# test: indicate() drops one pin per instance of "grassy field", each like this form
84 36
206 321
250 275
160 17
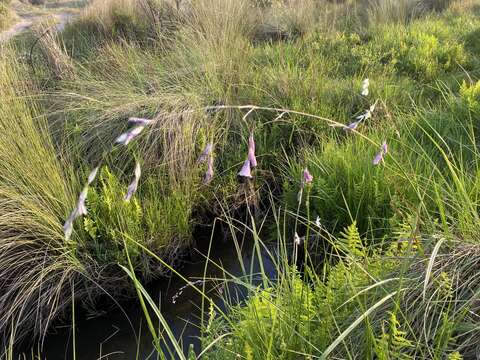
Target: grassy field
340 135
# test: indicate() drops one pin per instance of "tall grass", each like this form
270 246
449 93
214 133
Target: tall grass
36 190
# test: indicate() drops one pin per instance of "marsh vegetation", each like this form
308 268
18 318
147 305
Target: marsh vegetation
334 142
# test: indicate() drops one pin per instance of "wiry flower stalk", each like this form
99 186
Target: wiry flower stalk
132 188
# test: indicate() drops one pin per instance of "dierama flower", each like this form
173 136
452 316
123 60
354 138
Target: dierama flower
380 155
140 121
317 222
352 126
92 175
206 152
296 239
128 136
246 170
307 177
365 85
79 210
251 151
132 188
209 172
367 114
68 226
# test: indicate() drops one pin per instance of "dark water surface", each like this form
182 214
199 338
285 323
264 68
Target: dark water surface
113 336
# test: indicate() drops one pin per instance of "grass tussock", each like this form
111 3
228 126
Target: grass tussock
36 189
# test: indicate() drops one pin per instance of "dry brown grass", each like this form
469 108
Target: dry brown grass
53 51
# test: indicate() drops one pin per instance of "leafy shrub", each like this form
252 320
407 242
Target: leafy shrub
427 56
470 94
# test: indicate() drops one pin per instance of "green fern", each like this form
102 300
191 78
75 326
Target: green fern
350 237
455 356
393 343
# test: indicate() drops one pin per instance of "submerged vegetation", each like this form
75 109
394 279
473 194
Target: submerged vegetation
341 137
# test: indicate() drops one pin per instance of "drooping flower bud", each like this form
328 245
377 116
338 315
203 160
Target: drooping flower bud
128 136
209 172
206 152
132 188
380 155
251 151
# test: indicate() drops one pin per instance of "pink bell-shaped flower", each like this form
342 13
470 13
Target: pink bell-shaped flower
246 170
251 151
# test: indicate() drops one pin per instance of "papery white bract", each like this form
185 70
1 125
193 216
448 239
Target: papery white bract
365 85
68 226
296 239
317 222
132 188
367 114
81 208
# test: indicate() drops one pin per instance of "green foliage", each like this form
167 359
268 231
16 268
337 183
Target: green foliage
352 241
393 341
157 218
146 58
470 94
347 186
427 56
293 317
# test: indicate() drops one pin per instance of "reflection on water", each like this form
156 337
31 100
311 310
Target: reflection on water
113 336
